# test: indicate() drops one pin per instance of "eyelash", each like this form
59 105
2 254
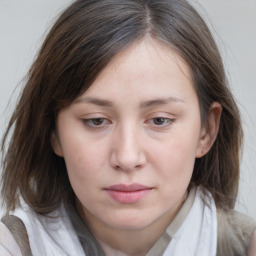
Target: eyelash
90 122
166 121
98 123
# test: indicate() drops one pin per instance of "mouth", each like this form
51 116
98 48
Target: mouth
128 194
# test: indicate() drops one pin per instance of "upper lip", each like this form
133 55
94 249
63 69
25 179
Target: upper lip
127 188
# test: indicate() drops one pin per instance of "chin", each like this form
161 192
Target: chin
130 222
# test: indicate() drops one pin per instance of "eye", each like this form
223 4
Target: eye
161 121
96 122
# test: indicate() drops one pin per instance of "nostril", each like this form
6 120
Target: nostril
128 162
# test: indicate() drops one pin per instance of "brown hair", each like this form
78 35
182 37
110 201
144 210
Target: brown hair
80 44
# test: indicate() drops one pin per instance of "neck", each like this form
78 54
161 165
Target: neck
115 242
134 242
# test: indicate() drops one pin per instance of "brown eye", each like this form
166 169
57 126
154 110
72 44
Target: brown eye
161 121
96 122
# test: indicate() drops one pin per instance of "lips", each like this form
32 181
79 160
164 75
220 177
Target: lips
128 194
127 188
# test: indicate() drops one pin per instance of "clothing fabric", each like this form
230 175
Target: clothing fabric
193 232
49 236
160 246
8 245
19 232
202 223
235 231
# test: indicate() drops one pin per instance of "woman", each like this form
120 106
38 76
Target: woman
125 140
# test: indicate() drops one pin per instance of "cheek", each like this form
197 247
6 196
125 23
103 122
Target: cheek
83 161
176 158
84 167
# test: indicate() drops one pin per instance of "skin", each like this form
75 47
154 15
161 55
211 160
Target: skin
139 122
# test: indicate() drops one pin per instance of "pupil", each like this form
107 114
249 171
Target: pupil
159 120
97 121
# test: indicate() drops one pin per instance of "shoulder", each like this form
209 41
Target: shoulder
16 232
235 233
8 245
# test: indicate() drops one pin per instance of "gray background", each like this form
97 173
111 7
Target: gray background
22 28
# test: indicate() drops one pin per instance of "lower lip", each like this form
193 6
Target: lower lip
128 197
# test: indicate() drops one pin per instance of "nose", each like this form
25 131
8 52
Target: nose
127 150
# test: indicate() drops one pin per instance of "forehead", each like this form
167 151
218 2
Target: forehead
148 68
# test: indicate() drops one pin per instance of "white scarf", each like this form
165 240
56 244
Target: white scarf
50 237
197 236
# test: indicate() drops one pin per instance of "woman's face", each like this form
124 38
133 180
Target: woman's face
130 141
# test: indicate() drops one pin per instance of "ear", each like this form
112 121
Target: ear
56 146
210 130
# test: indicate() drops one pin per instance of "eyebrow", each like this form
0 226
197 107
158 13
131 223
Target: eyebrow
95 101
161 101
145 104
